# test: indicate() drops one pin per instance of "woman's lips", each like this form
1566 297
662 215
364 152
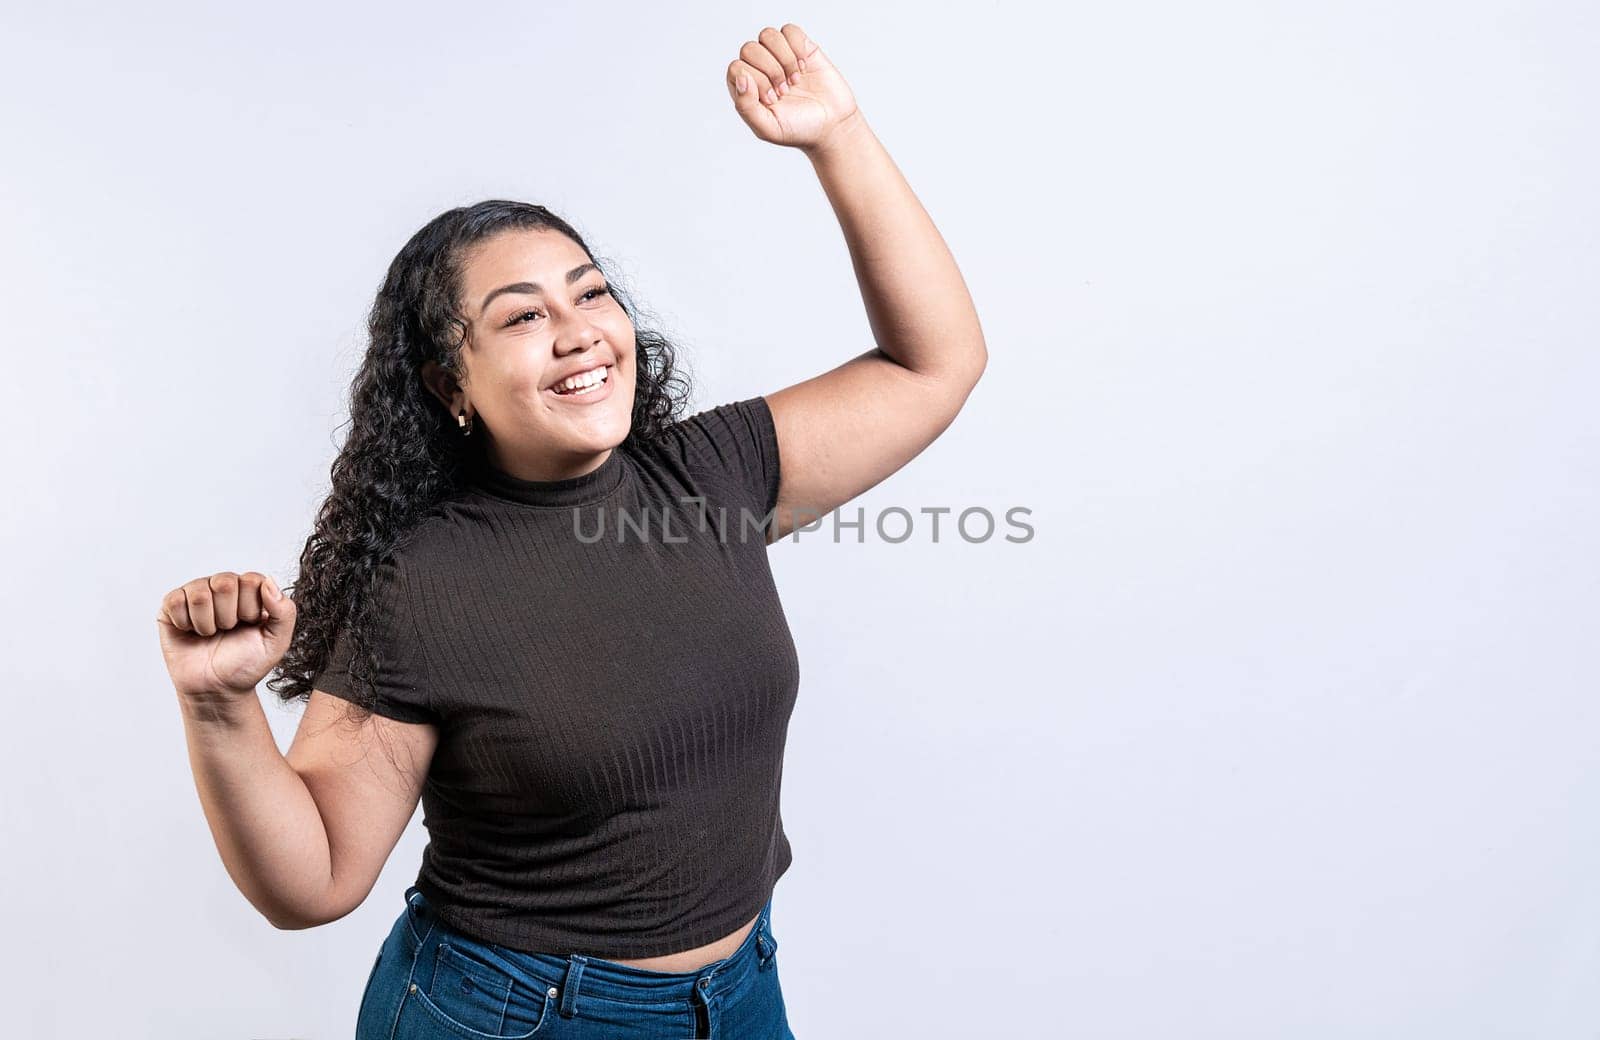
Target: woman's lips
593 394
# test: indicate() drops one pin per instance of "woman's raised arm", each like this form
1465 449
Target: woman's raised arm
841 432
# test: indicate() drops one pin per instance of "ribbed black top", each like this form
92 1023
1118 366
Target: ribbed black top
590 487
612 677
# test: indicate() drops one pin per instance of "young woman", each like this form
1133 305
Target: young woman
538 600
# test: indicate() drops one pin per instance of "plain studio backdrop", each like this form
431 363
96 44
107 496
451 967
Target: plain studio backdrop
1283 721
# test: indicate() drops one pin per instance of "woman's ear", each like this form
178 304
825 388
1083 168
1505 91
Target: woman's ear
443 386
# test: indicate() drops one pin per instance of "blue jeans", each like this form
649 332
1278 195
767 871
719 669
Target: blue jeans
431 981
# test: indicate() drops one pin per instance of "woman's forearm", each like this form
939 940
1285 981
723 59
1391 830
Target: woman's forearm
262 816
918 306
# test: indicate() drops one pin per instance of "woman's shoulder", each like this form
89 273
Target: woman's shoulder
733 446
430 537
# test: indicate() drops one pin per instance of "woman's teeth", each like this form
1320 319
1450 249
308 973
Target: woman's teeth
584 382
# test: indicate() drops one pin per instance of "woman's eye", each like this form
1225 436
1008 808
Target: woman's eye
590 294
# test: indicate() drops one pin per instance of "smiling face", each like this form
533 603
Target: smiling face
539 313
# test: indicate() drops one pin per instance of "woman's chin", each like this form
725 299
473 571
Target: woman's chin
598 431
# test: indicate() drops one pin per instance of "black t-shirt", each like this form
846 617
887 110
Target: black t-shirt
612 677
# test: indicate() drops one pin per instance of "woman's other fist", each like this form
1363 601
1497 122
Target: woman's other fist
222 634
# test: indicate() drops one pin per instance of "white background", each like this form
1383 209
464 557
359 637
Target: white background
1282 725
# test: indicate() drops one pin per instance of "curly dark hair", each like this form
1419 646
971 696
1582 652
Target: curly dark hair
404 453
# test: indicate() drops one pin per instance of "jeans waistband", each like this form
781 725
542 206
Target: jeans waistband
578 974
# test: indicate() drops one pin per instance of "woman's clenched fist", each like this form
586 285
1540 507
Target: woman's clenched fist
787 91
222 634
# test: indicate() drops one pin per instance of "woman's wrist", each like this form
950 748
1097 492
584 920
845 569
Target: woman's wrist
844 136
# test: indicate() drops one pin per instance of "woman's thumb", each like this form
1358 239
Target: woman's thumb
280 613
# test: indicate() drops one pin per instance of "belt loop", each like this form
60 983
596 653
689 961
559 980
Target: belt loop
415 908
569 990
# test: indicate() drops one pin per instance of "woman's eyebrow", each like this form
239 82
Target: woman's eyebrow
533 288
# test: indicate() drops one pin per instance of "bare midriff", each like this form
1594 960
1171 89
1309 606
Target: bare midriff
695 959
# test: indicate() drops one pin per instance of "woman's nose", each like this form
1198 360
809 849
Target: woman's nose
577 340
575 331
